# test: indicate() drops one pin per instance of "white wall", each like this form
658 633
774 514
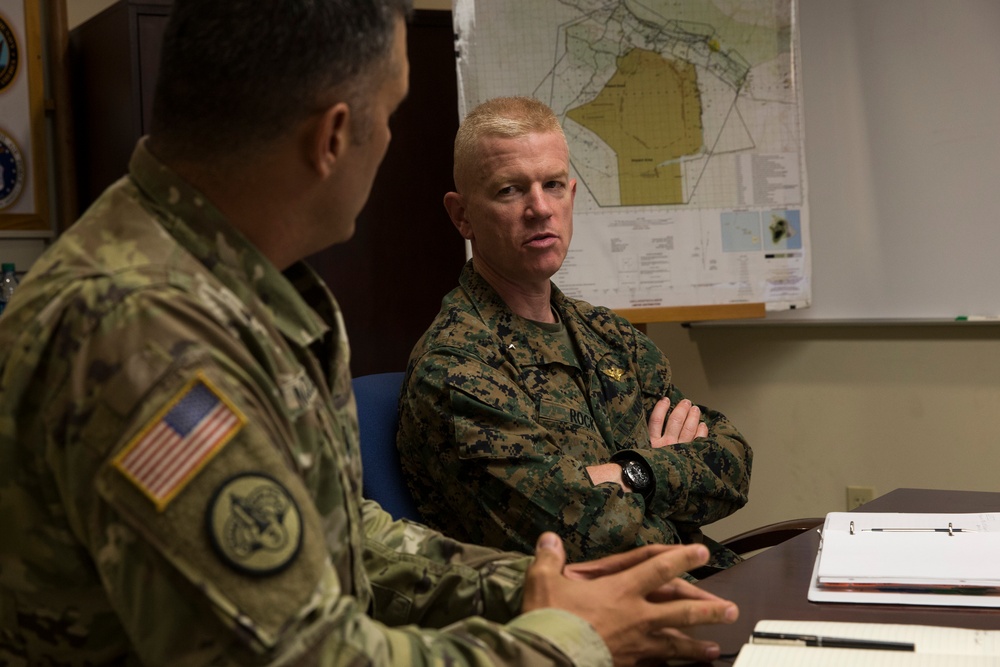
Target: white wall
826 407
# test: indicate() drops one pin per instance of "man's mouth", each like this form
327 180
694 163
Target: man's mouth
541 240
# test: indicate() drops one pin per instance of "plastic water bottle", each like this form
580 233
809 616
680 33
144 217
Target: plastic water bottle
7 284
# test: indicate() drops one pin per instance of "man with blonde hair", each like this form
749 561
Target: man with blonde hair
531 411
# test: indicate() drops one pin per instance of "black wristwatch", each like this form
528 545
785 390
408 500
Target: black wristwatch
636 474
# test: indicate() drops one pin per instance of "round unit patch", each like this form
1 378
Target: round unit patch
9 54
11 171
254 524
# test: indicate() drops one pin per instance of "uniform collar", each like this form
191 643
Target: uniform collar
202 230
520 340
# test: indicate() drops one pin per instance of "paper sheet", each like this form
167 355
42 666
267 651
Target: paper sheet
935 646
760 655
926 638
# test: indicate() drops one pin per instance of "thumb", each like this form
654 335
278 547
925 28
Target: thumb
549 553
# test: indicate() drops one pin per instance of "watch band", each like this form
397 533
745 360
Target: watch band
628 455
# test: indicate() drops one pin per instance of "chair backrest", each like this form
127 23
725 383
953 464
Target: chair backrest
771 535
377 396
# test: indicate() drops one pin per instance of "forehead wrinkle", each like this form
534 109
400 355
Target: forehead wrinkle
506 160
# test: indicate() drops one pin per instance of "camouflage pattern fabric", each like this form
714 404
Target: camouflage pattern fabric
499 420
180 472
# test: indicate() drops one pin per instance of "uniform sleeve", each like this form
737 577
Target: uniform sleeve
412 568
422 577
696 482
245 556
470 437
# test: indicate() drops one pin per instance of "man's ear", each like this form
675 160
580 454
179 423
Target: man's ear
329 136
454 203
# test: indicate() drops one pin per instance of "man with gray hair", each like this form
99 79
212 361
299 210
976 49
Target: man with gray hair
532 411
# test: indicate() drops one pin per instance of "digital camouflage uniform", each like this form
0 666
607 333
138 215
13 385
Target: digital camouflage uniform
180 473
499 421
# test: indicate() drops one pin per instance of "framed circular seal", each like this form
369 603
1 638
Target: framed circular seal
254 524
11 171
9 54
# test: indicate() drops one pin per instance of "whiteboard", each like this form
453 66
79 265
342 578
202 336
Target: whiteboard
902 140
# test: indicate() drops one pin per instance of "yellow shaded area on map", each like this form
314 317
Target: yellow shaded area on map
649 113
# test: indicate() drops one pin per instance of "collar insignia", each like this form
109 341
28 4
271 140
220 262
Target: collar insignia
615 374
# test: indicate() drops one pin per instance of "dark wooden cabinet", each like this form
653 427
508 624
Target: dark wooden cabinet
405 256
114 58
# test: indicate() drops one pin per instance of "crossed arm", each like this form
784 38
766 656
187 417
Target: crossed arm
471 437
683 425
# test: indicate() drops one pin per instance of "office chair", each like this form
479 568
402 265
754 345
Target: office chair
770 535
377 396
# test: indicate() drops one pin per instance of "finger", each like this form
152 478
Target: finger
616 562
702 430
675 422
680 646
680 589
691 423
544 573
550 555
691 613
657 416
651 574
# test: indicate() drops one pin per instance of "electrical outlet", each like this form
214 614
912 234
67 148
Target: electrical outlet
859 495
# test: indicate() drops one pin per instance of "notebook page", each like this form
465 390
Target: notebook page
762 655
929 639
968 556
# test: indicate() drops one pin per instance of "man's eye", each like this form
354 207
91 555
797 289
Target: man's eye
506 191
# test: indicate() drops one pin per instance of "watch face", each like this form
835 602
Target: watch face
636 476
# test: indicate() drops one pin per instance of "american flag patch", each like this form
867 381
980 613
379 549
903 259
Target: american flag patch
178 442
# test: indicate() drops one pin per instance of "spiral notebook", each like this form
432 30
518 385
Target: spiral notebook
908 558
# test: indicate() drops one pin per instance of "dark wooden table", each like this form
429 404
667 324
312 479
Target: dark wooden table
773 584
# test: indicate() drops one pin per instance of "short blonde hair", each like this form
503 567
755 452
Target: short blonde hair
508 117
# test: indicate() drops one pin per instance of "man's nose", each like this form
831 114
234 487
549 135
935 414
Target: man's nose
538 203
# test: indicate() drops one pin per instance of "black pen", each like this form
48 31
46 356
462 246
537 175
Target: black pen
830 642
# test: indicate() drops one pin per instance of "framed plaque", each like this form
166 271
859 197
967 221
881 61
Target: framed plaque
24 203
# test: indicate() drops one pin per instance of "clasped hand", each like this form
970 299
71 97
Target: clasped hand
633 600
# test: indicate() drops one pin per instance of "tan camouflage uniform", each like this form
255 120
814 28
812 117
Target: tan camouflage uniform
499 420
117 548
